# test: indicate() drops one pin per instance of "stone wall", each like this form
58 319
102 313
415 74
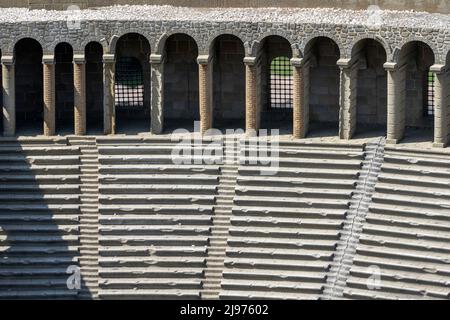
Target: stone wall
441 6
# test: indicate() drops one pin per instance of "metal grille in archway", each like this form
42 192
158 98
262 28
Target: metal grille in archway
429 99
129 84
281 95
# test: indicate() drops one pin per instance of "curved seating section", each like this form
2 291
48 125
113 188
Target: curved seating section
155 220
285 227
39 220
404 250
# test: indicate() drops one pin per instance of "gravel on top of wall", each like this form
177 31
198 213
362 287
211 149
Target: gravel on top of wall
371 17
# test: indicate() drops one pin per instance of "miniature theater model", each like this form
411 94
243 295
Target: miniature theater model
93 205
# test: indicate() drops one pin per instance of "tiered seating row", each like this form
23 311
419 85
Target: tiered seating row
285 227
155 221
404 251
39 220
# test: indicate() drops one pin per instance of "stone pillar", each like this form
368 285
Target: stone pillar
396 116
109 112
49 94
157 96
79 79
9 96
251 105
299 104
441 110
205 92
347 97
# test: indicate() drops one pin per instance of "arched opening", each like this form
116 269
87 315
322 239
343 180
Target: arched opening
94 88
132 84
180 83
417 57
64 90
29 86
322 54
371 88
274 80
228 82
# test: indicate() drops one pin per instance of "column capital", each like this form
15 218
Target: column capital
8 60
204 59
344 63
156 58
48 59
297 62
390 66
109 58
250 61
79 58
437 68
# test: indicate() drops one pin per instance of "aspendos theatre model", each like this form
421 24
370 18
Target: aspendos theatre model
347 196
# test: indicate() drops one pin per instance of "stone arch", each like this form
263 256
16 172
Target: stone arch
160 45
309 40
93 52
88 40
132 83
370 107
53 45
12 45
259 41
322 81
415 59
28 53
228 81
212 39
180 74
405 42
112 44
378 39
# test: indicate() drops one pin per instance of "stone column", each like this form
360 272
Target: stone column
299 107
396 116
49 94
205 92
9 96
441 110
109 117
251 105
79 79
157 96
347 97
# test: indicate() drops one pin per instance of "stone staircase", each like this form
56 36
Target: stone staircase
355 219
221 220
40 216
89 214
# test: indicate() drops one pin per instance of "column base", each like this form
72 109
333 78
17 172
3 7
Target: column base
439 145
392 141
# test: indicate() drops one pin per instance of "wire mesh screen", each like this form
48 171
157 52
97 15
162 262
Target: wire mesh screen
281 95
129 84
429 109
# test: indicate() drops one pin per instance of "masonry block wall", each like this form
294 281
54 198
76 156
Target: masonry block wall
181 79
228 80
324 87
371 87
